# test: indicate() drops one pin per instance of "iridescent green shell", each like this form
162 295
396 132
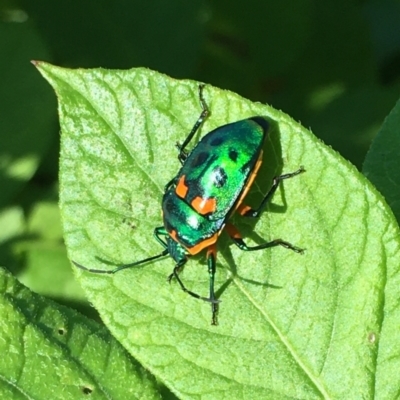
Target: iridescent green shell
208 187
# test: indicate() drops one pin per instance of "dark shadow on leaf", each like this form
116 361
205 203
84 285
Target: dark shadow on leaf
223 287
272 166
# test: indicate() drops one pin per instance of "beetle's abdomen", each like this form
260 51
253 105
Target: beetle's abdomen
217 170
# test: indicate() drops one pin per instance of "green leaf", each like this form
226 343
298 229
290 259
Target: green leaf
321 325
382 163
52 352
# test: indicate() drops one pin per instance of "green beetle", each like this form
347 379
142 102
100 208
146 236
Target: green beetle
209 188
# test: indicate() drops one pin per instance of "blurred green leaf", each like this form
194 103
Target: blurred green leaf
322 325
350 121
12 227
27 108
42 260
382 164
55 353
12 223
39 242
44 220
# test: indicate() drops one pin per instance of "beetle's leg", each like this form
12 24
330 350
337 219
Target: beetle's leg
237 239
204 114
211 268
175 274
171 182
157 233
211 262
247 211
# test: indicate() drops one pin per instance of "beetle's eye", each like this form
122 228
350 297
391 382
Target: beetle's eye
219 177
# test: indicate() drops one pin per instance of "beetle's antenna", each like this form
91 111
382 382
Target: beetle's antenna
121 267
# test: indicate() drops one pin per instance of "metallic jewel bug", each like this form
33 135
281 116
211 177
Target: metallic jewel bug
210 187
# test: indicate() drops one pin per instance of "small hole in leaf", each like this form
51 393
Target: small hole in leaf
87 390
129 223
372 337
61 331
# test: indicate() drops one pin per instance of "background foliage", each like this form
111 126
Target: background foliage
333 65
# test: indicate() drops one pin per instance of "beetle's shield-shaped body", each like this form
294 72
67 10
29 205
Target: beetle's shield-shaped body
212 182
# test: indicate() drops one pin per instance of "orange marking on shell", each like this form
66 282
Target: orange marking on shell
199 246
204 206
181 188
174 235
204 244
251 180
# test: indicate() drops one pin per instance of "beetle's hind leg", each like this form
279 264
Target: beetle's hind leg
211 261
239 242
247 211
